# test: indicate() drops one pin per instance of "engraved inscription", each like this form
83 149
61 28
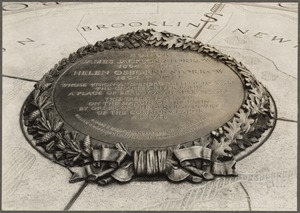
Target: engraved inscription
148 96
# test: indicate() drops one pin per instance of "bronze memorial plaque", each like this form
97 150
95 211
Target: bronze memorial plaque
148 104
147 97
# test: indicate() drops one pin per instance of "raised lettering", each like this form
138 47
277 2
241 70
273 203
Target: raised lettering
134 87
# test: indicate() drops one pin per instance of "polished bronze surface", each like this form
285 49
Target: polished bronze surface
147 97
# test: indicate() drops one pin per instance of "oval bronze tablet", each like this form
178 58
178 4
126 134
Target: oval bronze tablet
147 97
148 104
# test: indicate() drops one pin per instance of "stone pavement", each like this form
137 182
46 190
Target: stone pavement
267 178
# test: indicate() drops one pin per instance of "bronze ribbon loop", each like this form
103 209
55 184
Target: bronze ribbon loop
176 174
107 165
192 153
109 155
124 173
224 168
191 165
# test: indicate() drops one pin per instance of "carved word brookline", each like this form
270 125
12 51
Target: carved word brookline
149 24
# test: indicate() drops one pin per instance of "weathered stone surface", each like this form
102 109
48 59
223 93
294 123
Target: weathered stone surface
42 185
29 180
278 158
